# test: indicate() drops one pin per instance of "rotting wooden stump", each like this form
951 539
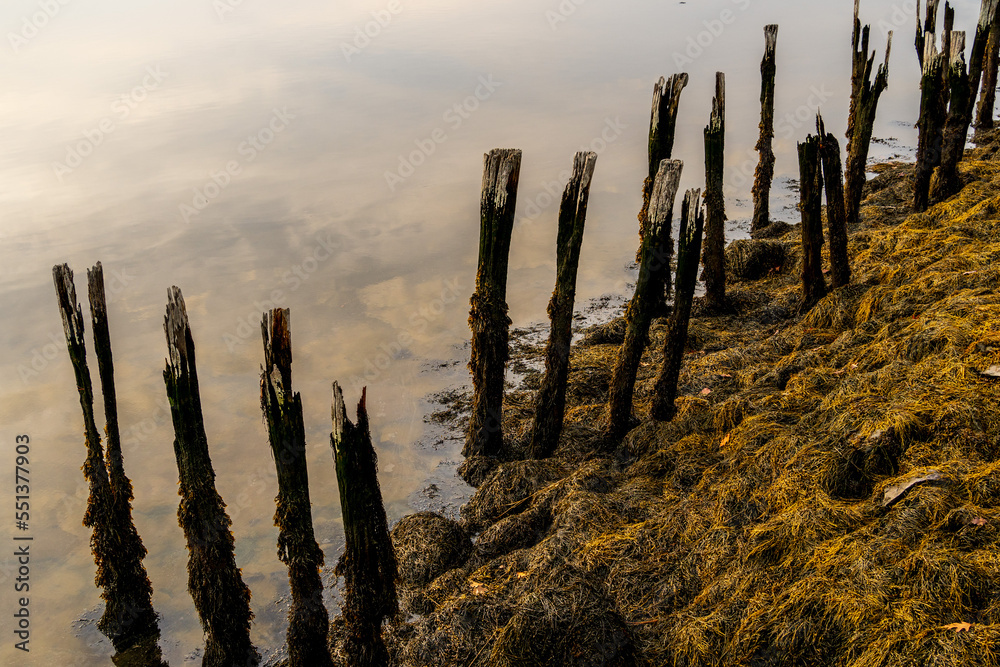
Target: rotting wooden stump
977 55
714 258
118 551
550 404
764 174
220 596
928 27
308 622
689 249
865 94
488 316
945 180
662 130
836 215
641 308
811 204
933 113
988 90
368 564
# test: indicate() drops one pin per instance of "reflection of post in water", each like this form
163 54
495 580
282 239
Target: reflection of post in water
308 623
128 619
369 562
216 586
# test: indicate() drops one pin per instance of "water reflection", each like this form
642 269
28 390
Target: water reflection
377 277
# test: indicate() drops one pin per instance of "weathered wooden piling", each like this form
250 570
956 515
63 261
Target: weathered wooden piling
662 130
764 174
865 94
128 615
714 258
933 112
988 94
368 564
550 404
214 582
689 248
488 316
811 204
927 28
308 622
977 55
836 215
643 304
945 180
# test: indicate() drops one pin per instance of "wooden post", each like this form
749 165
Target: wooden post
214 582
836 216
643 303
764 174
865 95
368 564
811 204
550 404
715 228
929 28
988 96
933 111
662 129
689 247
945 182
308 623
488 316
128 616
977 56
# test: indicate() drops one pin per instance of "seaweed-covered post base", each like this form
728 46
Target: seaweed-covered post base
220 596
369 562
665 390
308 622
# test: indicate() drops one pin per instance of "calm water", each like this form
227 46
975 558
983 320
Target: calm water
327 157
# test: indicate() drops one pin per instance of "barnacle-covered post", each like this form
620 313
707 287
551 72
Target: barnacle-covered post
118 551
662 130
836 216
865 95
551 401
689 247
220 597
488 316
811 205
369 562
764 174
308 622
641 307
714 258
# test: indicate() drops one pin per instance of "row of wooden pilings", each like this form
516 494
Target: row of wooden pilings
368 564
